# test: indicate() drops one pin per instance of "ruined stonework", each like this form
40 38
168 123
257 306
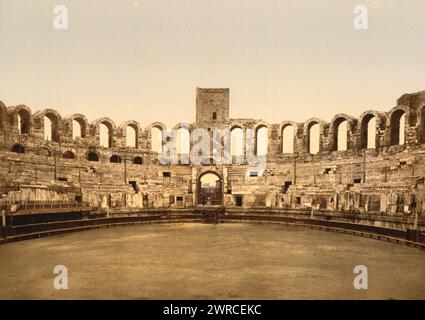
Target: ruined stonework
212 108
386 179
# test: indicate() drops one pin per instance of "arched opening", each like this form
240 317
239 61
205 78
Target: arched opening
78 128
23 122
183 143
371 133
51 130
131 136
47 129
92 156
156 139
341 136
288 135
313 138
138 160
236 143
105 134
368 132
209 189
44 152
115 159
261 140
68 155
397 127
18 148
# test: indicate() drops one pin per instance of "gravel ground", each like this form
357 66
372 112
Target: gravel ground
201 261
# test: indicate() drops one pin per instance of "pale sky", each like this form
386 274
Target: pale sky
142 60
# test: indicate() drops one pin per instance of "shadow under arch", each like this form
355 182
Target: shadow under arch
209 191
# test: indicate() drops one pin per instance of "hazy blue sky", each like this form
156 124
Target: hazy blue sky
142 60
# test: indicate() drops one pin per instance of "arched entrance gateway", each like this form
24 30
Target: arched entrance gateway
209 189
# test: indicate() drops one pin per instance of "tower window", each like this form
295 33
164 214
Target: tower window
214 115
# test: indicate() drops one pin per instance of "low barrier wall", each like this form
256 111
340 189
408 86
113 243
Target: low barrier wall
34 225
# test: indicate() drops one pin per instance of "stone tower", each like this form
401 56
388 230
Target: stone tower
212 108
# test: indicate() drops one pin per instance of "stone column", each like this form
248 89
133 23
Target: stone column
194 187
224 191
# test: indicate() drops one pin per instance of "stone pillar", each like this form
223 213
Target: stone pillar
224 181
194 187
3 218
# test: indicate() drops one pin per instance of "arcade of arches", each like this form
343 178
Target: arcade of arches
371 163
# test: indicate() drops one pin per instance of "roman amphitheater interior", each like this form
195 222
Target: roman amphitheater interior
369 169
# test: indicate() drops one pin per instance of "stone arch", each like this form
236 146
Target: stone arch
236 126
93 155
134 125
158 145
236 123
18 148
237 145
336 122
209 196
183 147
68 155
158 125
3 117
138 160
184 125
115 159
110 126
56 123
307 134
71 131
260 124
20 119
393 131
259 131
44 151
287 144
363 131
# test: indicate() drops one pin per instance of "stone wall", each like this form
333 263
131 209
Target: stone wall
387 179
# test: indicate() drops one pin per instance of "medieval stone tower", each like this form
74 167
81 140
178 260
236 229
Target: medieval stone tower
212 108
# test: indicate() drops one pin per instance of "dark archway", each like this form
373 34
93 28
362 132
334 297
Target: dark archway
368 133
78 127
339 134
68 155
18 148
51 125
138 160
23 117
313 137
115 159
92 156
397 136
209 189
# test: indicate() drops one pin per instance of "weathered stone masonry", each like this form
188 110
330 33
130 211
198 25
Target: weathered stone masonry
387 179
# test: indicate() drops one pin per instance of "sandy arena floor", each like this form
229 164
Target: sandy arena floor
199 261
